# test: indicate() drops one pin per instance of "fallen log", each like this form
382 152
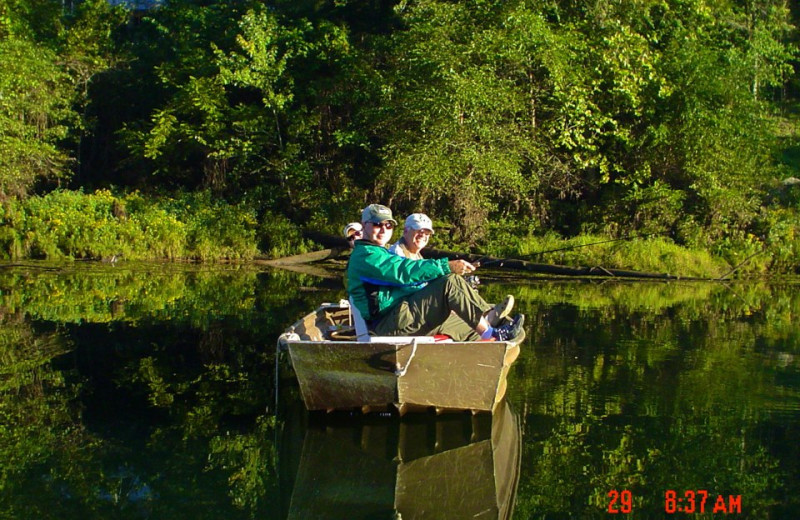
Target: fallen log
305 258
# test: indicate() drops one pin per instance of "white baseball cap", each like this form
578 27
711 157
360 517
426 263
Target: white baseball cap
352 227
419 221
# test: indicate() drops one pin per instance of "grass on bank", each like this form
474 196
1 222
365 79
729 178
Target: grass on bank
196 226
100 225
650 254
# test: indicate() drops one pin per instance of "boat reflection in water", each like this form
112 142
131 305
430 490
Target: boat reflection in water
419 466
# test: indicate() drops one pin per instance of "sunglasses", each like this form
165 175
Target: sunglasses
385 225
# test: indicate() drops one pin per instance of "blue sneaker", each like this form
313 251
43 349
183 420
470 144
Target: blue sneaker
509 331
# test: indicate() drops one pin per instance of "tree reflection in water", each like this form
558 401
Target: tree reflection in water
141 391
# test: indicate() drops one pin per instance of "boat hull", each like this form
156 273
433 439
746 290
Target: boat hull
409 376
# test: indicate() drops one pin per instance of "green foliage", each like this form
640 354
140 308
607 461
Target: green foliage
214 228
744 253
637 252
35 114
654 116
280 237
229 117
656 209
498 108
69 224
48 57
88 49
461 133
38 20
782 241
188 138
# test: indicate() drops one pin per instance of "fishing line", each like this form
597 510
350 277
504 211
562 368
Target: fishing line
591 244
485 260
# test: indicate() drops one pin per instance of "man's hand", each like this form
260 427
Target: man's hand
460 266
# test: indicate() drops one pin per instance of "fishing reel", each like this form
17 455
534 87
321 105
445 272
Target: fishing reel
473 280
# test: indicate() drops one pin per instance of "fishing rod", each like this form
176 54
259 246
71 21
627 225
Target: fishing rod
626 237
338 251
487 260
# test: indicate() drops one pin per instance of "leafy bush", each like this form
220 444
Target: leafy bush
278 236
71 224
35 113
163 234
10 223
783 241
743 252
215 229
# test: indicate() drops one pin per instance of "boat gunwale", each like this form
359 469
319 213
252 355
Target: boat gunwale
284 337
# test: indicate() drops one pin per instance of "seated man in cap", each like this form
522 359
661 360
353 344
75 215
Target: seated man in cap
352 232
416 233
397 296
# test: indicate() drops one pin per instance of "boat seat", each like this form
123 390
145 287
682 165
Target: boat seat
363 335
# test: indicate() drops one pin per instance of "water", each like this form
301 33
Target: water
147 391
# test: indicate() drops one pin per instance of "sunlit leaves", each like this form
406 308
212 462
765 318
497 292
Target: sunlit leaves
89 46
48 57
591 102
104 226
461 128
265 47
35 115
552 113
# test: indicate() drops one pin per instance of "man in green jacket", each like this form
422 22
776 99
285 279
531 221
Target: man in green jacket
397 296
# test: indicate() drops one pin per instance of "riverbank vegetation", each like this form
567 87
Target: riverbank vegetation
668 131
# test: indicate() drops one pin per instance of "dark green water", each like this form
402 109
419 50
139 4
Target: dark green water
148 392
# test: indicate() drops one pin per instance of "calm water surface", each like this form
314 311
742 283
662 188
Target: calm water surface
144 391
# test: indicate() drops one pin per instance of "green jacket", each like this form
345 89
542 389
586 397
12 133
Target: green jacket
377 280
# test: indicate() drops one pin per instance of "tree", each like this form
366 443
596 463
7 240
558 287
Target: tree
462 136
249 98
49 57
35 115
637 114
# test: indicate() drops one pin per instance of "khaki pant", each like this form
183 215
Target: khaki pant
447 305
